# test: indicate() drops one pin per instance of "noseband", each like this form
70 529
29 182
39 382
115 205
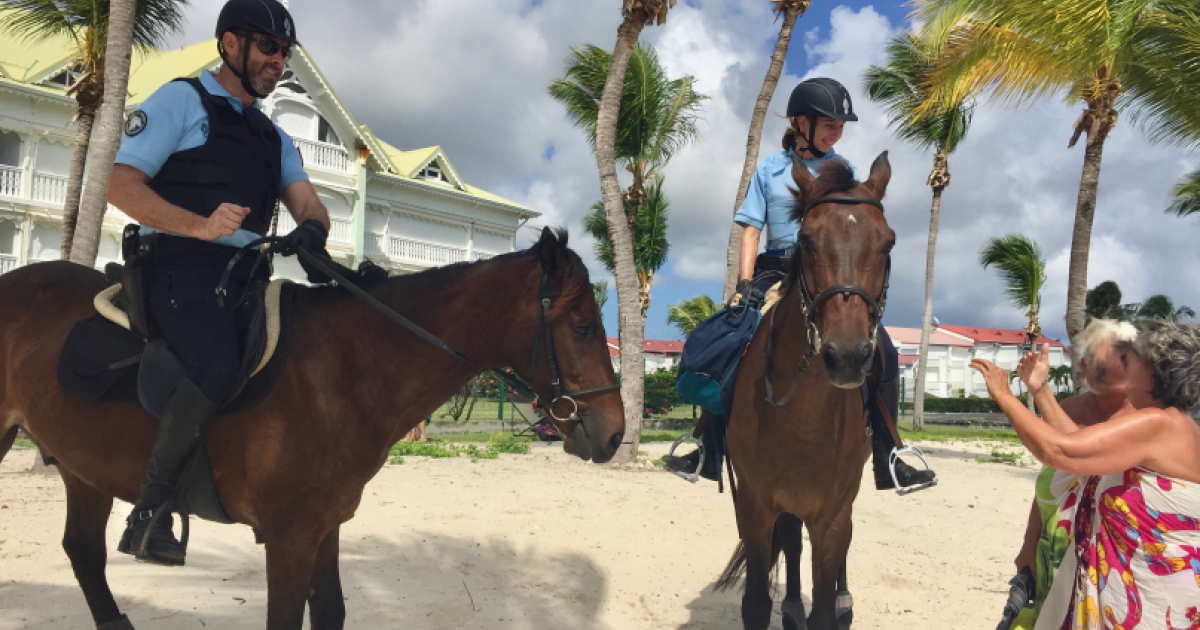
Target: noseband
811 305
544 329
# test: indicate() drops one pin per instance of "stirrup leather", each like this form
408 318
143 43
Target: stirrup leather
693 476
894 457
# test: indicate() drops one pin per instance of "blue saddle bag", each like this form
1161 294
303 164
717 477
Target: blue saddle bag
711 355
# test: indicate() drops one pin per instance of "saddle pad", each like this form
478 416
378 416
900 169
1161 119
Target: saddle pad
106 305
100 360
773 295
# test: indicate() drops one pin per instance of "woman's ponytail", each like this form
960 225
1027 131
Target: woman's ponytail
789 139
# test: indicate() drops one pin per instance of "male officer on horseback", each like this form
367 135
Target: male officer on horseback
817 110
202 169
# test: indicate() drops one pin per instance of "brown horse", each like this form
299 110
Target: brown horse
354 383
799 459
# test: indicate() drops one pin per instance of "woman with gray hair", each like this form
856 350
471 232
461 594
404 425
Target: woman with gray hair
1101 376
1134 502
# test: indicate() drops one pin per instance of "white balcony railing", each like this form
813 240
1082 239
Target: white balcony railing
323 154
10 181
49 188
478 255
340 231
8 262
400 248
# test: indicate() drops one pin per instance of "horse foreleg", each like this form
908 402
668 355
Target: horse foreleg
87 517
757 538
291 557
326 608
788 537
830 545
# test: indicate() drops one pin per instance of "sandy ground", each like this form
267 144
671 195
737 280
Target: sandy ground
539 541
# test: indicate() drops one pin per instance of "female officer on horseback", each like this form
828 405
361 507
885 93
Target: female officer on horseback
817 111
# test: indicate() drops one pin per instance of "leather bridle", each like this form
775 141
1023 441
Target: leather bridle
810 305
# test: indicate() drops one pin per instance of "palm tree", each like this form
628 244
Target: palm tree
650 245
688 314
1160 307
790 10
601 290
1103 53
900 87
1104 301
1060 376
85 23
1023 269
637 14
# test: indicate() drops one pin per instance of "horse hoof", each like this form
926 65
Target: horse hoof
790 622
120 624
845 618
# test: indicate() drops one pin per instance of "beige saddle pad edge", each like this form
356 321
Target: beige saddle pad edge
104 303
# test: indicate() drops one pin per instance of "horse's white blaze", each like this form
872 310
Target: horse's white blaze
851 218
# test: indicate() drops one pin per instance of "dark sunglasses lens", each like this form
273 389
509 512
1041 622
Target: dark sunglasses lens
268 47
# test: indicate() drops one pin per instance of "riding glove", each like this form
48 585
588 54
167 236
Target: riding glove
749 293
309 236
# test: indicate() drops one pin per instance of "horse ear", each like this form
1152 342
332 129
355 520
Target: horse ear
548 250
881 174
804 179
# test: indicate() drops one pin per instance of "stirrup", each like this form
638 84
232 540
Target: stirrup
693 476
894 456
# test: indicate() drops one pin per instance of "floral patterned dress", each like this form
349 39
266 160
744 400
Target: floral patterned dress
1134 556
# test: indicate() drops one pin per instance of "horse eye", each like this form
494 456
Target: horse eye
583 331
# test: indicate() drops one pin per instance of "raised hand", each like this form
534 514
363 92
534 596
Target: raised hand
995 378
1034 369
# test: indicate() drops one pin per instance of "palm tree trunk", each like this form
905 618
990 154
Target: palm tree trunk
83 136
644 279
117 54
754 138
927 318
631 323
1085 210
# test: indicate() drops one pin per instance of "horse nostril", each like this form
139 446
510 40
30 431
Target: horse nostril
865 350
830 356
614 442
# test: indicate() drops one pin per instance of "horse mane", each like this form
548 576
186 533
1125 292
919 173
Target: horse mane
834 176
576 284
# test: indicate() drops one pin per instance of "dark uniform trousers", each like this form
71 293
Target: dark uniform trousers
203 334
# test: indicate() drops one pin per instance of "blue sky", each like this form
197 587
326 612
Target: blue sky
470 76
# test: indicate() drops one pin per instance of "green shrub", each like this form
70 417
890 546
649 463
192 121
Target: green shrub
424 449
506 443
661 395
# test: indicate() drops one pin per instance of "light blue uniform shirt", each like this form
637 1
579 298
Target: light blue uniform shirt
769 200
173 119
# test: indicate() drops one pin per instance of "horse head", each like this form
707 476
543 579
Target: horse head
566 359
841 264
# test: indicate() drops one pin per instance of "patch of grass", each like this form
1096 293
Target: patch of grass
663 436
475 436
936 433
477 453
23 443
425 449
657 463
507 443
1000 457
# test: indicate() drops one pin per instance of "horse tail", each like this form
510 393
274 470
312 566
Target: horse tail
7 439
736 569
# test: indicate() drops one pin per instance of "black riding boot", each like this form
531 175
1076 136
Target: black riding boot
187 415
882 444
688 463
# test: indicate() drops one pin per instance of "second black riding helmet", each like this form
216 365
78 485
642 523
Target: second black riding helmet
244 17
818 97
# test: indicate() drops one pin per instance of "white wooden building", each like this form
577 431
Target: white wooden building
406 210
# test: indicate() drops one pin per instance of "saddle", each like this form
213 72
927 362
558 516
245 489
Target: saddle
105 361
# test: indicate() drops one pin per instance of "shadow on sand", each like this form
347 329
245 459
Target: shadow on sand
712 611
424 581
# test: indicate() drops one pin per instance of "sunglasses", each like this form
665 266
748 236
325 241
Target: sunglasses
269 47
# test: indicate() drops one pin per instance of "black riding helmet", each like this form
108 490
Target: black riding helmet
820 97
268 17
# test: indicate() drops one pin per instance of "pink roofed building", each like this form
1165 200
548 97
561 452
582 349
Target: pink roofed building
660 355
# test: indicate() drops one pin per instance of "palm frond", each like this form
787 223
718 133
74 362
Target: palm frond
687 314
650 246
899 86
1185 196
1019 260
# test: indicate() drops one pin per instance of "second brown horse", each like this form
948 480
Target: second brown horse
798 437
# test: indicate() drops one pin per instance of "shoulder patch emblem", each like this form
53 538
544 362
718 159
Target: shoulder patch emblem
136 123
204 128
